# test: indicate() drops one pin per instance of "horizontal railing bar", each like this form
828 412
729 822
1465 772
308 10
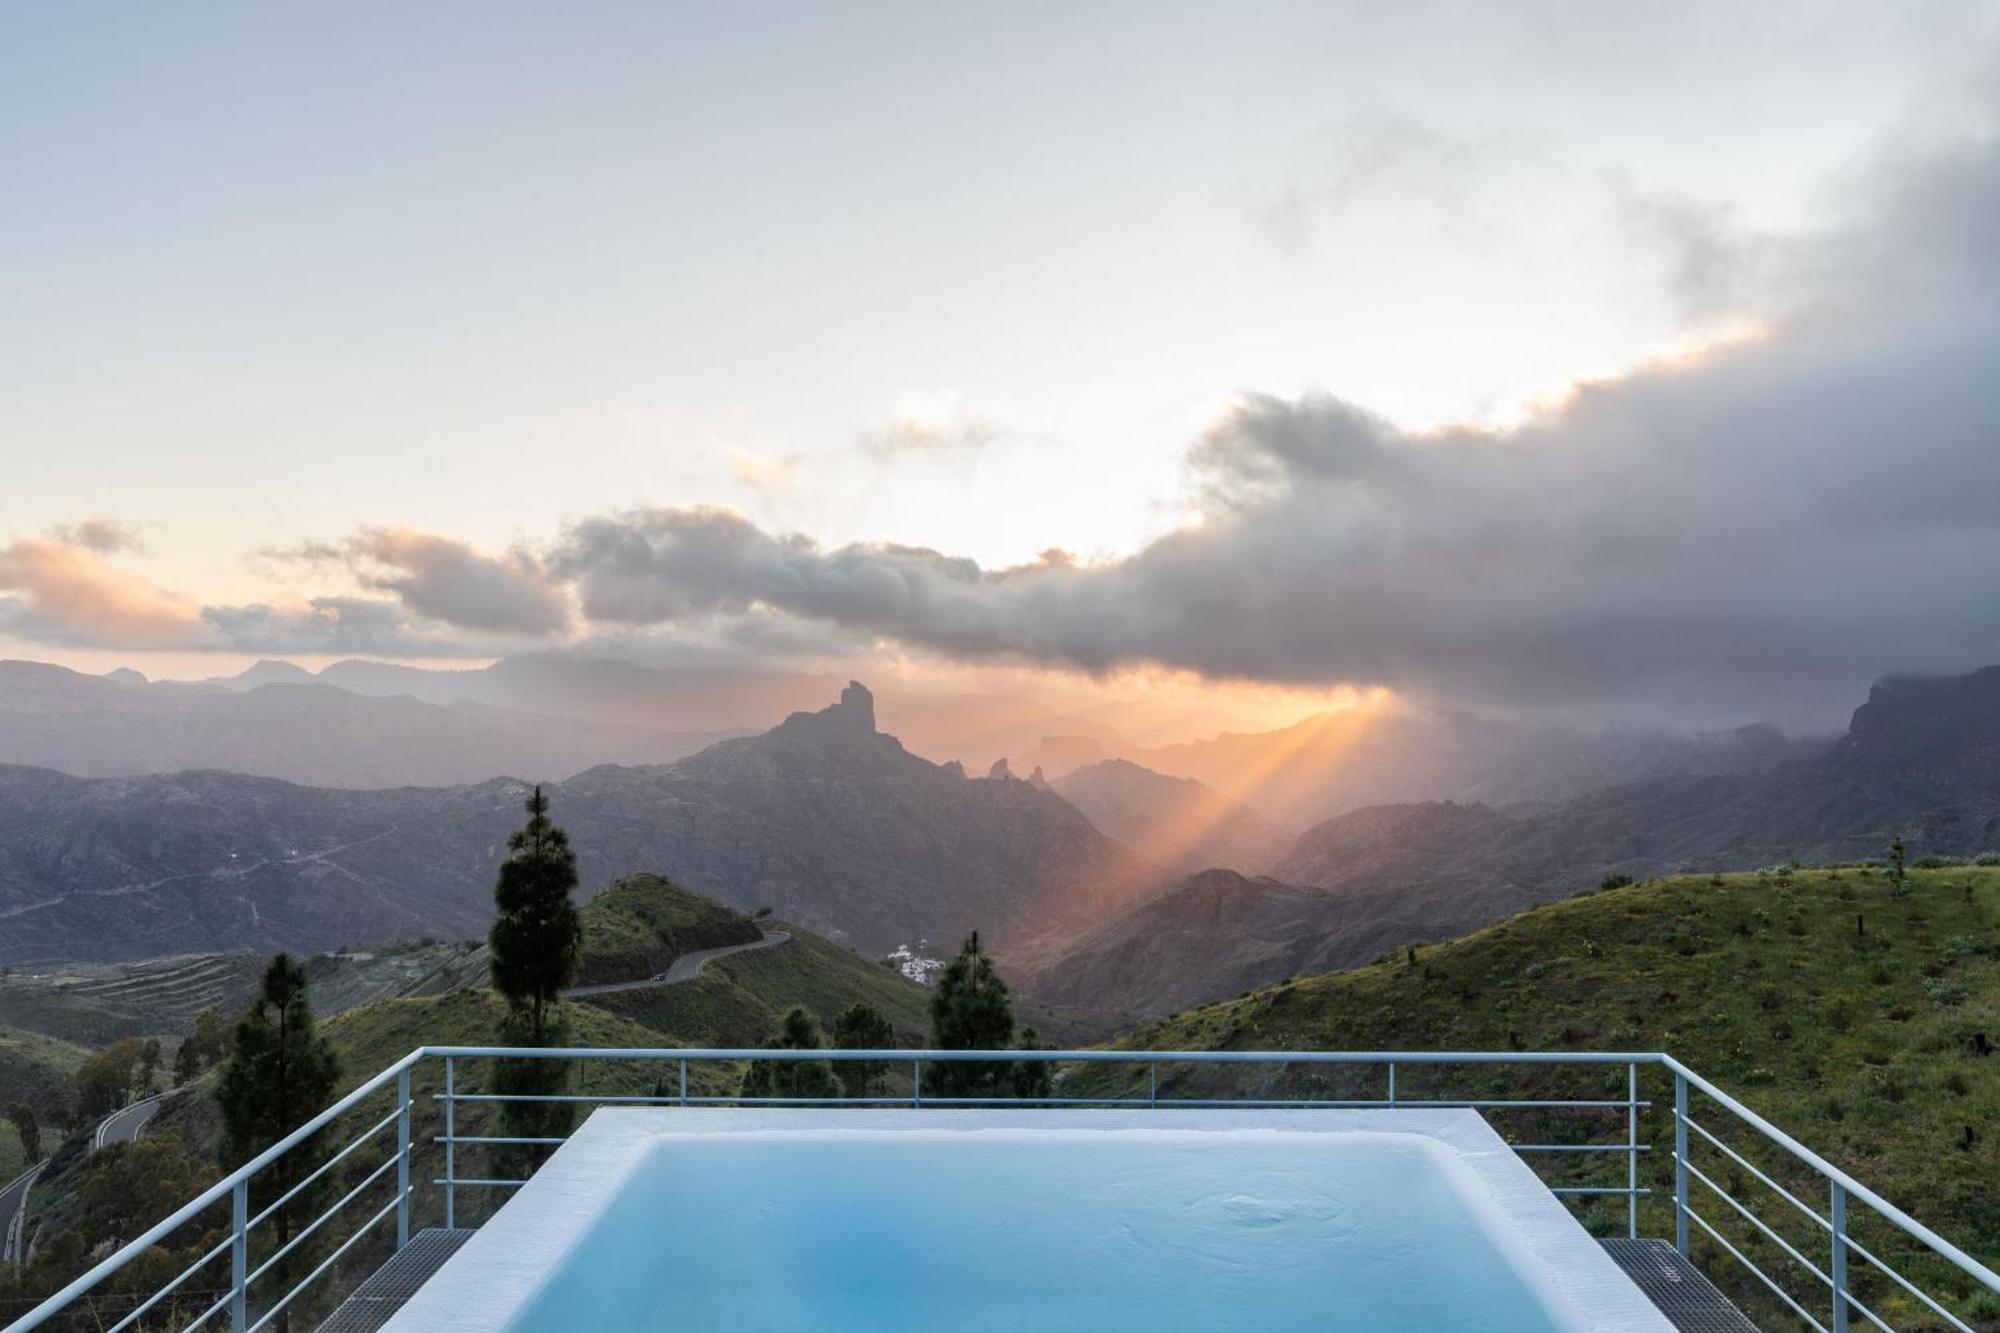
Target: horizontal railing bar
1755 1271
325 1264
488 1138
1906 1284
1581 1147
461 1180
1037 1100
325 1166
314 1225
1636 1192
1045 1057
1855 1189
1758 1222
213 1194
1752 1168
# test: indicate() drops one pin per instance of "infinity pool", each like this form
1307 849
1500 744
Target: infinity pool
758 1221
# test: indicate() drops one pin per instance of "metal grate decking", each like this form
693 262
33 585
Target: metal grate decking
1688 1300
395 1282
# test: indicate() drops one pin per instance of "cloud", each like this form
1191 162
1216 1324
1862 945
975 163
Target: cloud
330 626
1755 531
64 591
446 580
105 536
930 425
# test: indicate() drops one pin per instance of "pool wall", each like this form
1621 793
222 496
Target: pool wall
501 1270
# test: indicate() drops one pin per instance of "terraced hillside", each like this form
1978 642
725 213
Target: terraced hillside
1862 1019
98 1003
95 1004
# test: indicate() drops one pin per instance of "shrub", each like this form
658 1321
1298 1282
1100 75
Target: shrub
1614 882
1987 859
1945 992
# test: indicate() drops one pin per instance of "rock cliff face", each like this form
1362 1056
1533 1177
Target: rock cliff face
824 819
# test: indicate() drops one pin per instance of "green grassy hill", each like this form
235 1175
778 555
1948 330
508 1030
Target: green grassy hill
739 1000
1861 1021
37 1070
642 923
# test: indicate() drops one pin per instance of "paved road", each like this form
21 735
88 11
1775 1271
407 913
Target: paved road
121 1126
124 1126
13 1210
687 967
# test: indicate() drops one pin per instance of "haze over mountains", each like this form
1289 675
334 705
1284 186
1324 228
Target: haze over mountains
824 819
1920 760
1114 887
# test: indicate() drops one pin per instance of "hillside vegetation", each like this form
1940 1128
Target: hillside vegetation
1860 1019
37 1070
638 926
740 1000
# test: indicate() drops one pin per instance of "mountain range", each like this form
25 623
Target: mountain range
1920 761
824 819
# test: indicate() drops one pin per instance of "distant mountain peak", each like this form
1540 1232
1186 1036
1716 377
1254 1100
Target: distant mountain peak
126 676
267 671
856 707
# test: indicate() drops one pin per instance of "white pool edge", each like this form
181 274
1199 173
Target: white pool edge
499 1270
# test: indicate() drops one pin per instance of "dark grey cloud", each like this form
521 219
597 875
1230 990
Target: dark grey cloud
1757 532
360 626
446 580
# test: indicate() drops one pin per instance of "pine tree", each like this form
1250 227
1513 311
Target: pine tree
280 1073
792 1078
971 1011
535 942
861 1027
538 935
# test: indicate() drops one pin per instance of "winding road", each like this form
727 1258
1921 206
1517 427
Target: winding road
121 1126
13 1209
685 968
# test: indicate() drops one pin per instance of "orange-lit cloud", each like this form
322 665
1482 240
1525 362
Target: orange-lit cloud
66 591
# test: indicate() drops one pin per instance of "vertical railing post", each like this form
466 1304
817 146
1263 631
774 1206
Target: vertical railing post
684 1081
916 1083
1153 1084
239 1256
402 1159
450 1146
1632 1150
1839 1268
1392 1083
1681 1163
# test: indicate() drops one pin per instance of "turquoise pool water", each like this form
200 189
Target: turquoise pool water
967 1232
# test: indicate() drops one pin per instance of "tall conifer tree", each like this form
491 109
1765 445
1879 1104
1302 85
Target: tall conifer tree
280 1073
536 939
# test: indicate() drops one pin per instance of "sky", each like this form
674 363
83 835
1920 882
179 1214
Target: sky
1620 360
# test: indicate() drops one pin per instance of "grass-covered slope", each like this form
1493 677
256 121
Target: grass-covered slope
37 1070
739 1000
642 923
1860 1020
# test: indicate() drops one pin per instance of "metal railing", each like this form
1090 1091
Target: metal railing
248 1308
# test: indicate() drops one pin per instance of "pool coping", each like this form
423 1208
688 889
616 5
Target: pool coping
499 1270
